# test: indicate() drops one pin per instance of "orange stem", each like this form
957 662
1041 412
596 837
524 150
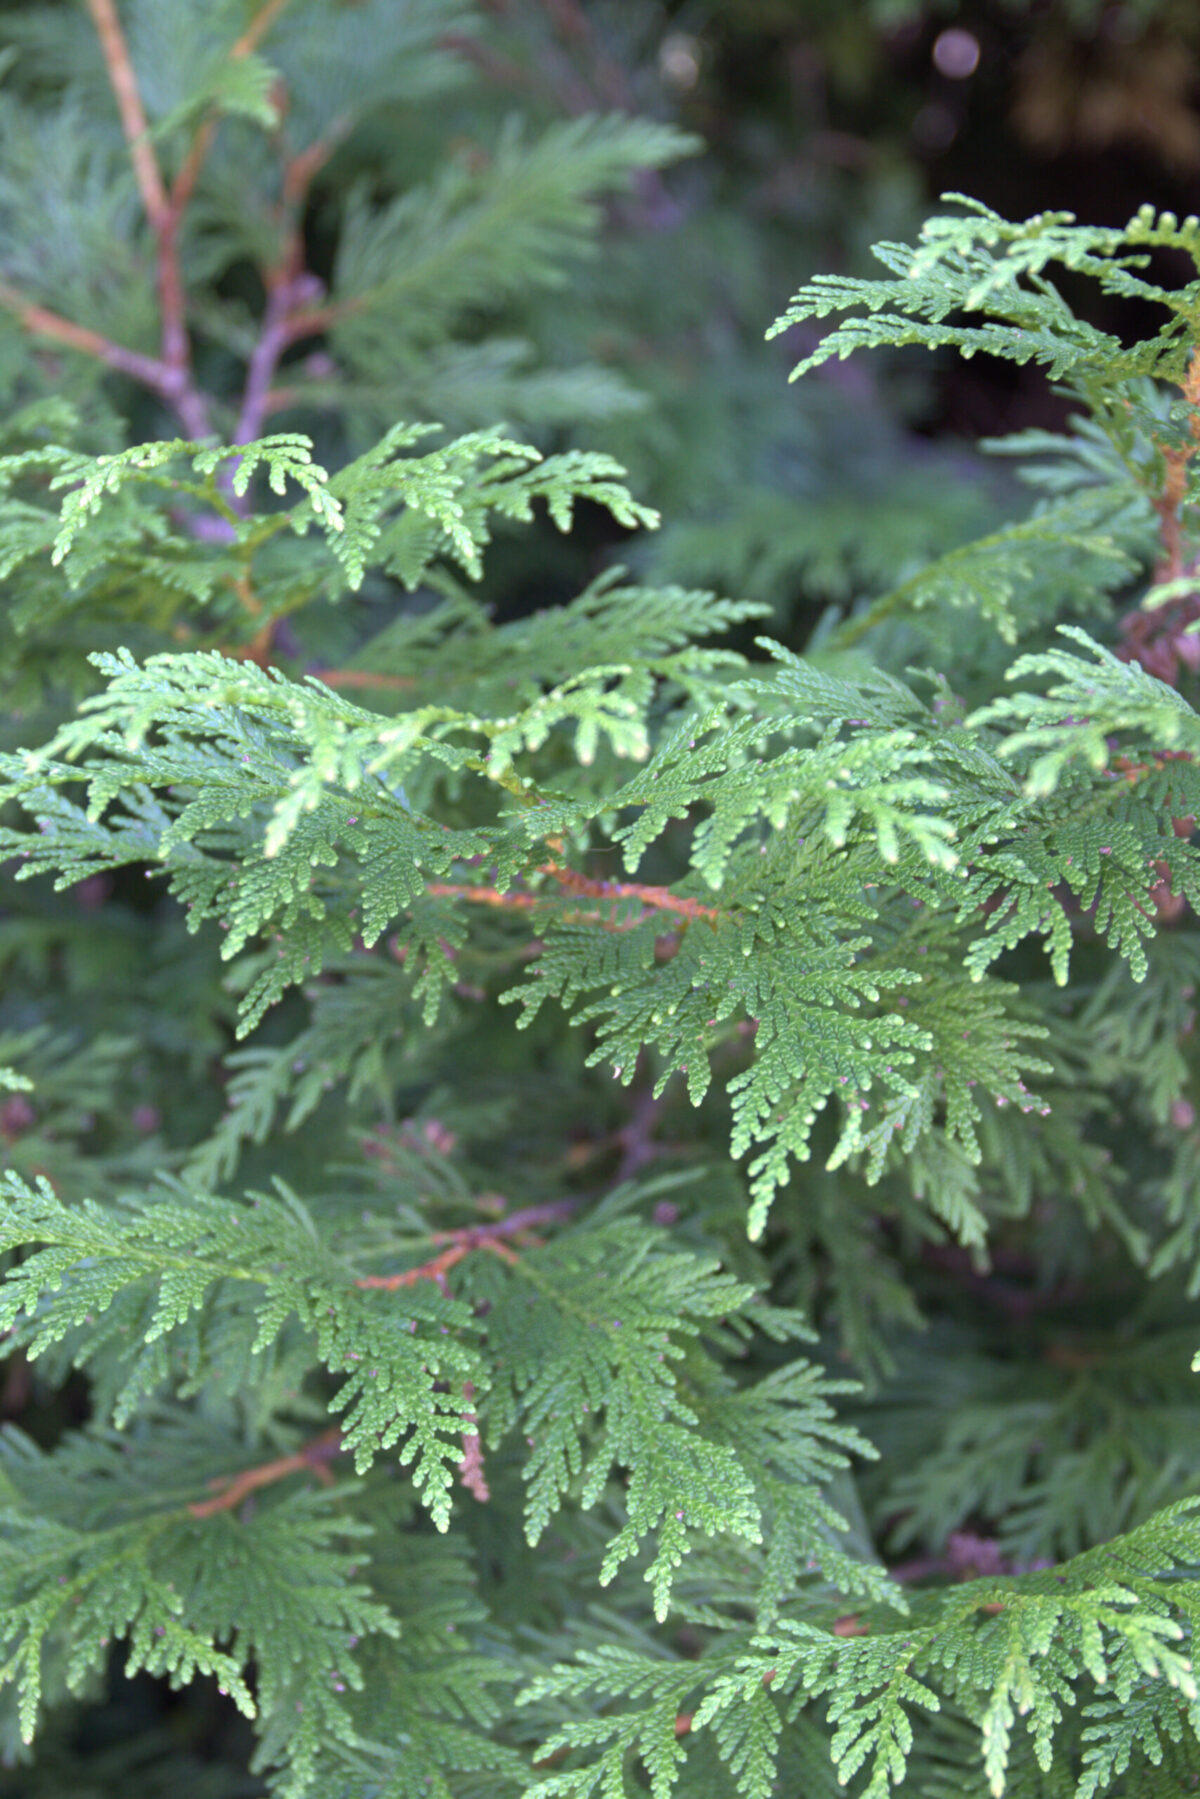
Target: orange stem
1170 502
485 896
475 1236
361 677
439 1266
41 322
133 114
189 173
258 27
660 899
235 1488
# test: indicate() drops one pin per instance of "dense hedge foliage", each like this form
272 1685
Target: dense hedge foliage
600 1131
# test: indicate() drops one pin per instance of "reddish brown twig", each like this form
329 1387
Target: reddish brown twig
521 901
1137 771
1160 640
653 899
160 213
273 339
436 1269
189 172
362 677
172 379
41 322
484 896
292 291
471 1470
658 899
461 1242
124 85
1167 506
234 1488
170 376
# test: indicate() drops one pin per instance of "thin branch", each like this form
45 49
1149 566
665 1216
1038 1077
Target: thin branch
41 322
258 28
260 370
235 1488
485 896
133 114
471 1470
436 1269
314 321
1167 506
460 1243
654 899
362 677
189 173
172 378
302 169
1170 503
292 292
659 899
492 63
163 216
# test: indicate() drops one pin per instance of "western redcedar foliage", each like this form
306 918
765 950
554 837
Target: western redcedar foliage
459 1410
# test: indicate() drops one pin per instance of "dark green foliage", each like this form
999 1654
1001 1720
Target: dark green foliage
455 1410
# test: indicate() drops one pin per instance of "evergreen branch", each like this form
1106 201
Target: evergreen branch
289 290
233 1488
169 377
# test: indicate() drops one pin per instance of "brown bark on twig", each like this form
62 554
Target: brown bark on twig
655 899
460 1243
129 104
40 321
234 1488
1160 640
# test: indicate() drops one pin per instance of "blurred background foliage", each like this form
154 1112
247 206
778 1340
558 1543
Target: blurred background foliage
820 126
816 127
